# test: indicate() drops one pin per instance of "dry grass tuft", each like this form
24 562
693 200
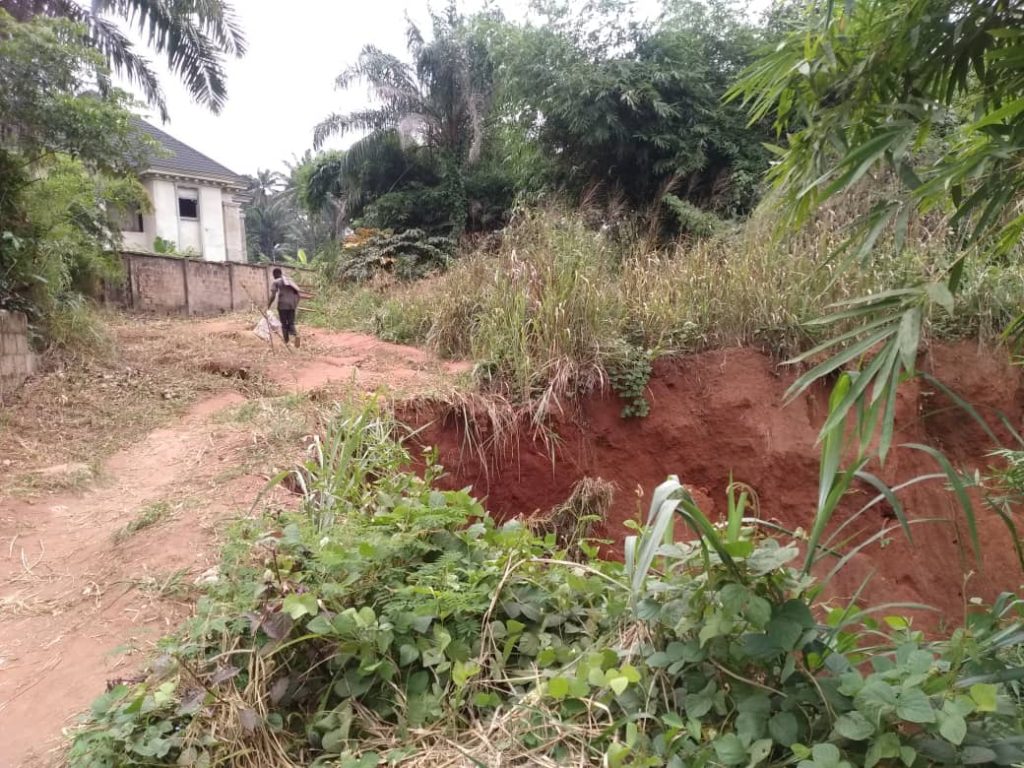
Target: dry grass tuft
572 522
545 313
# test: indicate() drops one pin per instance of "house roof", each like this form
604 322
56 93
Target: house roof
179 158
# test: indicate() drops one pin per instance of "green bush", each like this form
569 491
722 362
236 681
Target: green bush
66 163
388 621
405 255
416 207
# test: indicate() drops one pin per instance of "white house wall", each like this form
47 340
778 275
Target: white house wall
164 197
217 235
234 230
211 224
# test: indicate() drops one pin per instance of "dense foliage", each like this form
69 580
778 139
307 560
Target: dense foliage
65 171
637 109
490 111
927 95
389 622
279 223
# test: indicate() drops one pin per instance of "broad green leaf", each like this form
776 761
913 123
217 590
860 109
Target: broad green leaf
876 699
953 728
984 696
784 728
558 687
914 706
334 741
854 726
419 681
618 684
407 654
298 606
759 752
658 660
730 750
885 747
751 726
688 652
826 755
579 688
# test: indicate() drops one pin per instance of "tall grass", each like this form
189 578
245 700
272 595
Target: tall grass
558 302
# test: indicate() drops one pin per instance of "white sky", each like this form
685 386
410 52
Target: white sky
284 85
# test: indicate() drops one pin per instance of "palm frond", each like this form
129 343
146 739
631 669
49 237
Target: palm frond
195 35
120 53
373 120
380 70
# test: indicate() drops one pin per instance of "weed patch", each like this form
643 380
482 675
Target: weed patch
388 622
150 515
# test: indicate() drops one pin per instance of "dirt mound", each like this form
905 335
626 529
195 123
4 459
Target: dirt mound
721 414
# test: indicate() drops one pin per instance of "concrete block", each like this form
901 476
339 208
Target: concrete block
14 322
8 367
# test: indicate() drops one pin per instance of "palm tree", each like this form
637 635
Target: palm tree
195 35
268 229
265 185
439 101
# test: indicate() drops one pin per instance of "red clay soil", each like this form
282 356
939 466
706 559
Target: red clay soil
722 412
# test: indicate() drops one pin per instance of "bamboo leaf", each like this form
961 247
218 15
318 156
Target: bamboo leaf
909 337
850 353
888 494
960 489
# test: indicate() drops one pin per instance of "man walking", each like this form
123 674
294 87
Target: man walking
287 294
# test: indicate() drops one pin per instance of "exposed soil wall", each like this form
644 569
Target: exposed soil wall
721 413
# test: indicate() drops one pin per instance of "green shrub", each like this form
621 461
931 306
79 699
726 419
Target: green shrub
388 621
691 220
406 255
629 378
416 206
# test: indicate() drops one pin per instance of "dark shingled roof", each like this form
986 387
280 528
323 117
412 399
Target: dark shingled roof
180 158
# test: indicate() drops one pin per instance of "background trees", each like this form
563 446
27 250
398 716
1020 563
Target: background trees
593 106
637 109
429 119
66 161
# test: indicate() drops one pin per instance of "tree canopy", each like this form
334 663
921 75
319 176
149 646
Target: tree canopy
66 167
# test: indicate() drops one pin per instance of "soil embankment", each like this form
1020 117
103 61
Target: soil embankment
721 414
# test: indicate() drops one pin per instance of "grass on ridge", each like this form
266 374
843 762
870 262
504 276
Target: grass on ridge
558 304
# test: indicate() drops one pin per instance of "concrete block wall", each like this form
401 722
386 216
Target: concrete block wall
17 361
209 287
157 284
170 285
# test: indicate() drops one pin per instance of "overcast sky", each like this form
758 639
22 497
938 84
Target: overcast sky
285 84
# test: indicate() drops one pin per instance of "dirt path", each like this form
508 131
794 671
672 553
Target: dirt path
89 580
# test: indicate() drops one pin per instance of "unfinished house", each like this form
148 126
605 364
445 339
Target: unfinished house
196 204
